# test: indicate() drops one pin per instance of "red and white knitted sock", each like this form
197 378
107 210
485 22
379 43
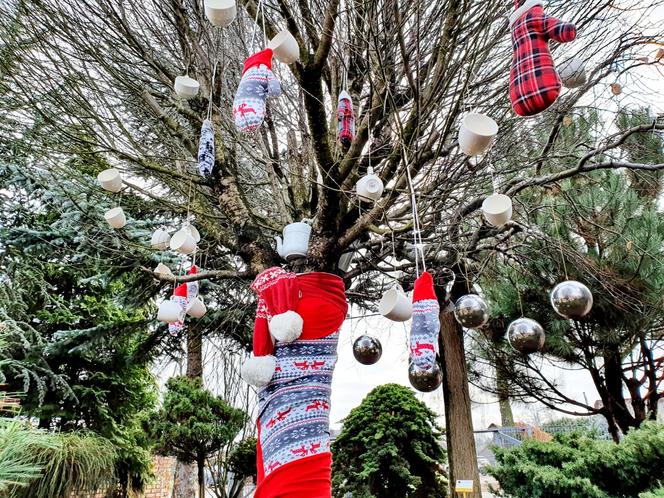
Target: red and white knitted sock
426 324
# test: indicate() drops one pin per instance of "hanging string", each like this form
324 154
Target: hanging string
560 240
253 33
214 73
263 19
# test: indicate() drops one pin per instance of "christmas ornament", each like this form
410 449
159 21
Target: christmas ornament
345 119
257 84
168 311
186 87
497 209
367 350
110 180
476 133
369 187
571 299
293 456
573 72
206 149
425 379
180 299
196 308
424 335
525 335
160 239
183 242
220 12
295 243
471 311
115 217
395 305
285 47
534 82
162 270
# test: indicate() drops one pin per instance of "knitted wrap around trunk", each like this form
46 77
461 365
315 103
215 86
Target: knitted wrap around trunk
426 325
293 454
534 82
258 82
206 149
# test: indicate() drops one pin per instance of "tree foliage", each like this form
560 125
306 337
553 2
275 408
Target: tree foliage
577 466
390 445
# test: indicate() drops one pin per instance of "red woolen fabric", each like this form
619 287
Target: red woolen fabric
534 81
309 477
262 57
423 288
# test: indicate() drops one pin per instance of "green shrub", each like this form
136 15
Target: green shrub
577 466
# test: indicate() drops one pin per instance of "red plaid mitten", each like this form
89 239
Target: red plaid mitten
345 119
534 82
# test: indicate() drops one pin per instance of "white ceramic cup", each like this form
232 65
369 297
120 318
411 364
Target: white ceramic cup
162 269
169 311
285 47
476 133
115 217
110 180
194 232
497 209
160 239
572 72
183 242
395 305
186 87
196 307
369 187
220 12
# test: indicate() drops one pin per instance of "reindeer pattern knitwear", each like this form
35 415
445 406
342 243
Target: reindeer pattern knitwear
258 82
426 324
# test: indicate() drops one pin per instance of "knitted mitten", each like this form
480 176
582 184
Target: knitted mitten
534 82
206 149
182 295
426 324
345 119
258 82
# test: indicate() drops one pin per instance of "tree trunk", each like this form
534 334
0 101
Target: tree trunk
502 384
201 476
185 482
458 416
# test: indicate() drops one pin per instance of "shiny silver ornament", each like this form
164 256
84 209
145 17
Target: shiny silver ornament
571 299
425 380
526 335
367 350
471 311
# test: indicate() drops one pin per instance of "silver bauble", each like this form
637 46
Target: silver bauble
571 299
526 335
471 311
425 380
367 350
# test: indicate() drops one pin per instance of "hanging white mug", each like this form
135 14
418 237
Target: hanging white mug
196 307
572 72
186 87
295 242
220 12
162 270
497 209
160 239
110 180
183 242
169 311
285 48
194 232
395 305
115 217
369 187
476 133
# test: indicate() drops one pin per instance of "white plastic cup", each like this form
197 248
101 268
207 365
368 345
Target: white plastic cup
115 217
169 311
476 133
285 48
160 239
186 87
183 242
220 12
497 209
370 187
110 180
162 270
194 233
395 305
196 308
572 72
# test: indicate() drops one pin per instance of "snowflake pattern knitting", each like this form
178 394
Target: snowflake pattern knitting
257 84
424 333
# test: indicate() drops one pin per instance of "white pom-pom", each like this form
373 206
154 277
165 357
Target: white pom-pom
286 327
258 370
